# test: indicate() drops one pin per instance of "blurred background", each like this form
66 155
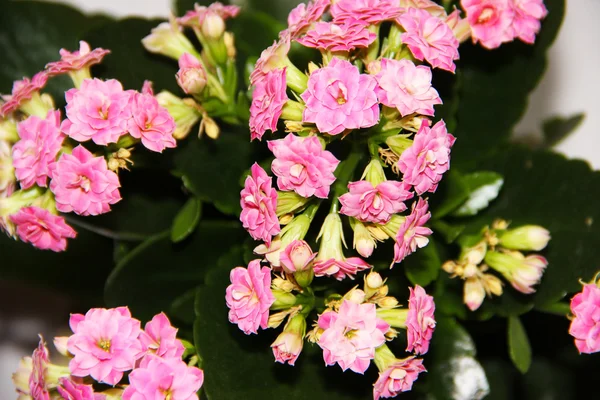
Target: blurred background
570 86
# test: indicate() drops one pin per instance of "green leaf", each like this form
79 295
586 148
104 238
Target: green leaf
423 267
186 220
519 348
558 128
451 193
448 231
263 26
484 187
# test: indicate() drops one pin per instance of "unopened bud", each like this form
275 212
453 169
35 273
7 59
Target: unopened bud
398 143
449 266
474 293
355 295
396 317
60 342
294 126
373 281
210 127
229 40
191 76
213 26
289 202
277 318
296 257
500 224
460 27
374 172
470 270
528 237
286 219
288 345
185 112
388 302
312 67
167 39
363 241
282 284
492 284
283 300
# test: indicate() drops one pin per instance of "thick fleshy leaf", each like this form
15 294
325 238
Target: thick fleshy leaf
186 220
519 348
558 128
450 194
484 187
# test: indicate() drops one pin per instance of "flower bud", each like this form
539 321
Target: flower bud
312 67
229 41
286 219
283 300
213 26
191 76
276 319
522 272
474 255
528 237
474 293
8 130
398 143
492 284
460 26
295 230
185 112
60 342
450 267
288 345
363 241
289 202
8 181
388 302
282 284
297 259
167 39
355 295
373 281
374 172
209 126
396 317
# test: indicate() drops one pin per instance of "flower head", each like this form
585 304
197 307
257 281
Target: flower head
412 233
249 297
151 123
268 99
273 57
288 345
167 39
339 97
23 91
104 344
197 16
366 12
191 76
70 390
420 321
526 237
160 338
377 204
259 203
303 166
528 14
327 36
42 229
585 327
491 21
304 15
41 140
77 60
429 38
297 256
522 272
398 377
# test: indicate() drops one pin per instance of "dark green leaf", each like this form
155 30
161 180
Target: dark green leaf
186 220
423 267
484 187
264 28
449 231
182 307
518 345
451 193
557 128
548 380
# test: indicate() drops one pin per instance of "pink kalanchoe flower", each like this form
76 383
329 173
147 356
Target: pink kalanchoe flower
398 377
406 87
327 36
41 140
303 166
191 76
374 204
249 297
366 12
104 344
98 110
430 6
340 268
157 378
70 390
429 38
420 321
22 91
83 183
259 204
272 58
351 335
491 21
151 123
287 347
197 16
585 327
304 15
528 14
412 233
42 229
297 256
339 97
79 59
160 338
268 99
37 380
424 163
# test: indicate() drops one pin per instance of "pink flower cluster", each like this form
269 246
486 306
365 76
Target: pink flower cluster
374 204
327 36
585 326
42 229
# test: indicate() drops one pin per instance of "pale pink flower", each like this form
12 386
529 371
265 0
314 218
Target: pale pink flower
22 91
430 6
249 297
191 76
42 229
374 204
327 36
424 163
490 20
258 200
585 327
297 256
366 12
104 344
272 58
41 141
398 377
412 233
420 321
197 16
158 378
70 390
429 38
151 123
79 59
339 97
37 380
160 338
340 268
303 166
406 87
83 183
528 273
98 110
147 88
351 335
304 15
287 347
268 99
528 14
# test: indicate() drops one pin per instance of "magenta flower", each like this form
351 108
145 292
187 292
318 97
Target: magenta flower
297 256
327 36
104 344
70 390
41 141
259 204
585 327
490 20
374 204
98 110
424 163
83 183
22 91
268 99
429 38
420 321
366 12
303 166
398 377
158 378
304 15
528 14
351 335
249 297
37 380
197 16
339 97
42 229
191 76
412 233
406 87
151 123
79 59
272 58
160 338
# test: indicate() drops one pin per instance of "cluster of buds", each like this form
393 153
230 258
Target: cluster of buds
209 76
106 346
500 249
45 169
585 323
